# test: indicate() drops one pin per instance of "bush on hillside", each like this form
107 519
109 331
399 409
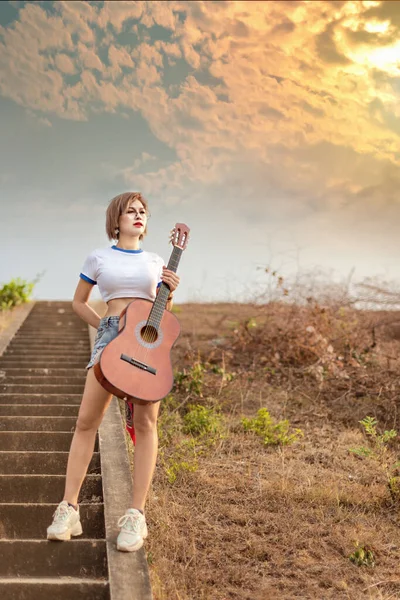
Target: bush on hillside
17 291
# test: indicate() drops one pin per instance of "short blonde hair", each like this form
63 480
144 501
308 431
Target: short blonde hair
117 207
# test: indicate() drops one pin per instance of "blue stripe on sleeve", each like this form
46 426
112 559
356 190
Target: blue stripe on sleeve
158 284
86 278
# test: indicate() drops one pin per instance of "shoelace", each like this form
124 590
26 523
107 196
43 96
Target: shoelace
61 513
130 521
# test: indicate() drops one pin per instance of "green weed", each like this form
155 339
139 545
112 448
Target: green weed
191 380
271 433
379 451
16 292
362 556
182 459
200 420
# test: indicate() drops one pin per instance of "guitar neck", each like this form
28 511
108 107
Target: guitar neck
160 302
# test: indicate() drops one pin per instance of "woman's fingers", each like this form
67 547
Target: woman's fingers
171 278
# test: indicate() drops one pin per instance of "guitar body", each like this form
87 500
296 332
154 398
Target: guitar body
137 363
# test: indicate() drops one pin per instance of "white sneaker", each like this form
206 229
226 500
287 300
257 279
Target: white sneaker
133 530
66 522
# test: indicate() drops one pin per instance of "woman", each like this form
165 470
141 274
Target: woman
122 272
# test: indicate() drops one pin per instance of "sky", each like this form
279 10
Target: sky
272 129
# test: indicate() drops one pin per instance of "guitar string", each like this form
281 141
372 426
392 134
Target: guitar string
153 331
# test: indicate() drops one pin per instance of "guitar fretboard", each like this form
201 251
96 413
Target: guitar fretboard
160 302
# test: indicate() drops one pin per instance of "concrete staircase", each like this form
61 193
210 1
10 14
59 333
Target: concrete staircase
42 377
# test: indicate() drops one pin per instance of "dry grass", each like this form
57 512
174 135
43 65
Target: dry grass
6 318
263 522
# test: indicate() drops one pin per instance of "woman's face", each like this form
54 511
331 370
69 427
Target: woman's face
134 219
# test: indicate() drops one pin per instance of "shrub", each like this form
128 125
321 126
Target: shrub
17 291
183 459
271 433
200 420
378 450
362 556
191 380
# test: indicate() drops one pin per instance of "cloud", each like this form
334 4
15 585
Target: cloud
65 64
269 89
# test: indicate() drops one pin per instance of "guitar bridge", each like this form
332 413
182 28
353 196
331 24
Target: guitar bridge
138 364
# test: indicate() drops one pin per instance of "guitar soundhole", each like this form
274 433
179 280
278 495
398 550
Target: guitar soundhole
149 334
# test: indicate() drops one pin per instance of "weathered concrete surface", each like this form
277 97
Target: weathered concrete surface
48 388
41 362
30 520
34 398
39 410
127 571
10 423
46 488
37 441
78 558
40 463
41 384
19 315
60 588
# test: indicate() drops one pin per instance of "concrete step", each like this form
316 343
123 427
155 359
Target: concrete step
41 558
30 398
59 348
37 423
51 588
26 363
40 463
60 343
31 338
40 388
40 345
44 352
43 379
62 360
46 488
54 328
44 355
36 371
30 521
39 410
55 335
38 441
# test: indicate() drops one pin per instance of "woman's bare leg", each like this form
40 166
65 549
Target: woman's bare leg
145 454
95 402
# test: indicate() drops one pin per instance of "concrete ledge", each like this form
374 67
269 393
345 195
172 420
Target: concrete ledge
48 588
127 571
19 314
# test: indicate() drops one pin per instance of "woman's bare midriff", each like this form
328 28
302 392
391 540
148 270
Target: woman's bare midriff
116 306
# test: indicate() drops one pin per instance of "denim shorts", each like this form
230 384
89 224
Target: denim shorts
106 331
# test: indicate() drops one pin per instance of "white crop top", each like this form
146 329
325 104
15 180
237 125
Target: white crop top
123 273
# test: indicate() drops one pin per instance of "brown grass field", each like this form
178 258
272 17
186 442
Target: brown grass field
241 520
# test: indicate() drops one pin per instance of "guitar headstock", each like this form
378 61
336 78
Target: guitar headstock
180 235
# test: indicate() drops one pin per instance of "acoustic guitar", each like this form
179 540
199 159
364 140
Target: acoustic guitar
136 364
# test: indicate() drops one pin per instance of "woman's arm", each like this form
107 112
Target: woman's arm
80 304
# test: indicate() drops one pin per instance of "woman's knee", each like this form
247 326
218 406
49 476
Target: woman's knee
84 424
145 424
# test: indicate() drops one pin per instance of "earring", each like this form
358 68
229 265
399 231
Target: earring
116 231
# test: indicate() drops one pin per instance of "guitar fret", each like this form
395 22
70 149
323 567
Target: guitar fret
160 302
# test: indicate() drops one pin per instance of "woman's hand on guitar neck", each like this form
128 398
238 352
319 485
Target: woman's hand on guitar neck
171 279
